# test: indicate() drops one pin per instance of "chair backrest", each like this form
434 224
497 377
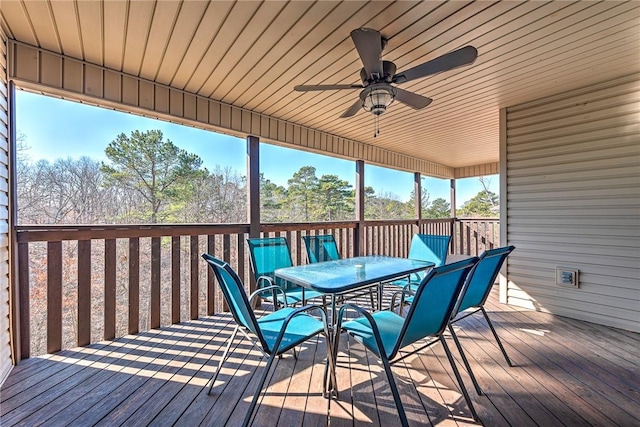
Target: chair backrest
483 277
267 255
429 247
321 248
235 295
434 302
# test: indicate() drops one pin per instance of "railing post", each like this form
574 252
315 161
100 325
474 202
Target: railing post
358 240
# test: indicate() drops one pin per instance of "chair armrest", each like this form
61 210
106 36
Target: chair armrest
407 290
297 312
274 289
370 319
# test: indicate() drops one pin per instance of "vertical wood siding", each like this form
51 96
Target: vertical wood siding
573 200
62 76
5 348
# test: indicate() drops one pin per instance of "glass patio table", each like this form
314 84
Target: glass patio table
350 274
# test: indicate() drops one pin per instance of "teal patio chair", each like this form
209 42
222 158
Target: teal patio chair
321 248
275 333
267 255
475 295
425 247
324 248
386 333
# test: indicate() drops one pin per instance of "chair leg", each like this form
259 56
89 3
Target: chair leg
225 355
464 360
394 389
263 379
463 389
495 334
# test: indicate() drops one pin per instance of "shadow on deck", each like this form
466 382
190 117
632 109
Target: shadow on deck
566 372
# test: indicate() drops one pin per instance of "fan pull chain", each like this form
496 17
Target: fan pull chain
376 125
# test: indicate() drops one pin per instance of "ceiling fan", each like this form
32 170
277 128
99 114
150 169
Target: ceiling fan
377 75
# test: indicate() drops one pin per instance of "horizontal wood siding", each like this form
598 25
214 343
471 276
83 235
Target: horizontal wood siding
5 346
573 196
47 72
476 170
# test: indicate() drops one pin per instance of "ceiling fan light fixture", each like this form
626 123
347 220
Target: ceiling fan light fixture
377 99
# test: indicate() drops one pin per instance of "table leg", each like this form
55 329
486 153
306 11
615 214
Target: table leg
332 389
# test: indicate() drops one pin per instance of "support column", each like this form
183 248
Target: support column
253 193
358 241
453 216
417 191
253 185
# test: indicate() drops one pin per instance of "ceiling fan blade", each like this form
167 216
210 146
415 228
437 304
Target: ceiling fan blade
448 61
351 111
411 99
307 88
369 46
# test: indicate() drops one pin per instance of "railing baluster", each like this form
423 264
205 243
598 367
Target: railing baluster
109 289
211 294
25 309
226 256
54 296
134 285
194 258
240 269
175 279
155 282
84 292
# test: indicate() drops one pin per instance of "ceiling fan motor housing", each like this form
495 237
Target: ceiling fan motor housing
388 71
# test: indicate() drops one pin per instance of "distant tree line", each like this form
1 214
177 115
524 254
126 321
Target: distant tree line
147 179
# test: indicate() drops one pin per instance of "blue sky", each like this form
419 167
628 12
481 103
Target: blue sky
56 128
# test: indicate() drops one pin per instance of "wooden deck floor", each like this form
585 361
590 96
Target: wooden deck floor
567 373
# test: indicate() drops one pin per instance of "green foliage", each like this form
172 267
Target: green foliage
272 200
334 199
157 170
483 204
439 208
301 194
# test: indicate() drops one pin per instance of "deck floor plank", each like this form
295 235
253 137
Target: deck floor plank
543 390
174 375
203 364
566 372
316 410
577 368
54 403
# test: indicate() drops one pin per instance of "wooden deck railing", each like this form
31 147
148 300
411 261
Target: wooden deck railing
83 284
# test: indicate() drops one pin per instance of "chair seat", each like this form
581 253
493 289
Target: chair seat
389 324
294 296
299 329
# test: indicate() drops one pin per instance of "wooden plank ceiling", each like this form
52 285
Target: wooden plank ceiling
251 54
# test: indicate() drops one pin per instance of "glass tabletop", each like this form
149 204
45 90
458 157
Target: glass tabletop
347 274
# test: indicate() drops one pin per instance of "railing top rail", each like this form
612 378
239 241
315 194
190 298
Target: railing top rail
57 232
296 226
48 233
